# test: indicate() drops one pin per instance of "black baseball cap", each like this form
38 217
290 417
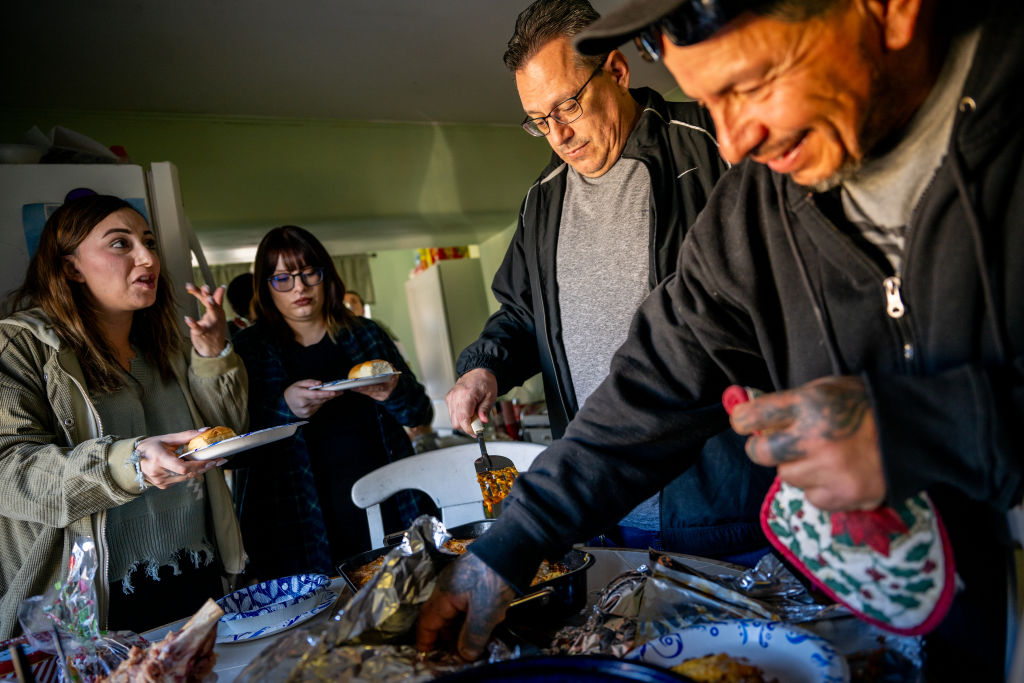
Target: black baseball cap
684 22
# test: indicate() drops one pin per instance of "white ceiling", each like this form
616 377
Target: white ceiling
391 60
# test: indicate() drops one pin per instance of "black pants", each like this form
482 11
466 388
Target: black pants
155 603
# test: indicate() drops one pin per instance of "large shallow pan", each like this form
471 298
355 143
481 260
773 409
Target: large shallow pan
562 595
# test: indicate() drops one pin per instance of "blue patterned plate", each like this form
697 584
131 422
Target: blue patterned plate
223 636
270 602
781 651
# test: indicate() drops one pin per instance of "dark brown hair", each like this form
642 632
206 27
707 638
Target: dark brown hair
546 20
66 303
297 248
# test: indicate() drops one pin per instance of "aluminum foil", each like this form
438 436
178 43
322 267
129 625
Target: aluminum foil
611 627
370 638
670 595
678 595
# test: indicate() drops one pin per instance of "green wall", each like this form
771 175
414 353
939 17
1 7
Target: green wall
360 186
369 176
492 252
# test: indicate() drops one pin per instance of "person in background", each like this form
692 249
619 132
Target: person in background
862 261
354 302
296 508
97 390
240 293
600 227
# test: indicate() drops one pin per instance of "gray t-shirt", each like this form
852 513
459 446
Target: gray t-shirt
602 266
881 197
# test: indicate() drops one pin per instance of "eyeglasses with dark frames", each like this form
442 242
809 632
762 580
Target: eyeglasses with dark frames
285 282
565 112
691 22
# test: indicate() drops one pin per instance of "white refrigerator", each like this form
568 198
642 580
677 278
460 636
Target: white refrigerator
29 193
448 308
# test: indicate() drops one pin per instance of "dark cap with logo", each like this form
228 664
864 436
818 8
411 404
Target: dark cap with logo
684 21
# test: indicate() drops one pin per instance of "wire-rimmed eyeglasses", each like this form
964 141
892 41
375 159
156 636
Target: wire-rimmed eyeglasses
565 112
691 22
285 282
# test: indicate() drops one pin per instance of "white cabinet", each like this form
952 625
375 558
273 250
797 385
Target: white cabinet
448 308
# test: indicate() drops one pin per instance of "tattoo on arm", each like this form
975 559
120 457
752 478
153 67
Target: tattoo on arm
839 406
833 410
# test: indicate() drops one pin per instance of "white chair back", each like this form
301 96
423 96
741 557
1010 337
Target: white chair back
447 475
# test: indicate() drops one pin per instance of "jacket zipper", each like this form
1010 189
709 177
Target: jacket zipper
103 553
896 309
892 286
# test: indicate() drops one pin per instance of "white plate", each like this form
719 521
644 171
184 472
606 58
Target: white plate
224 636
236 444
343 384
781 651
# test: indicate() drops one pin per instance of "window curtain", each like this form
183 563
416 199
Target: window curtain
354 270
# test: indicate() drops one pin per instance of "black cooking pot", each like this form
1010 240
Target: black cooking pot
562 595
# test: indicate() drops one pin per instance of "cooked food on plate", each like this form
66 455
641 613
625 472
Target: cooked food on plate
361 575
210 436
370 368
720 668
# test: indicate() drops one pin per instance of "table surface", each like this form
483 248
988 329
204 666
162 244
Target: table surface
232 658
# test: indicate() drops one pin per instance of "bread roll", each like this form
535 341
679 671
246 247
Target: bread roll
209 437
370 368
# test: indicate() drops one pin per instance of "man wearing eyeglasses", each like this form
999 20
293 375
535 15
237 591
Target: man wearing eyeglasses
862 261
600 228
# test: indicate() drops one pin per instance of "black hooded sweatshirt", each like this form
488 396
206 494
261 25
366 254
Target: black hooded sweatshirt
771 292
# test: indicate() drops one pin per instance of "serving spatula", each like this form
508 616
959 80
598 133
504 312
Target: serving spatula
494 473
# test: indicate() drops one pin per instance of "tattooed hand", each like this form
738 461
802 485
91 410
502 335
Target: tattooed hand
823 439
466 587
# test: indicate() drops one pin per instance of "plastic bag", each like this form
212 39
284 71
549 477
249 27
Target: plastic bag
64 621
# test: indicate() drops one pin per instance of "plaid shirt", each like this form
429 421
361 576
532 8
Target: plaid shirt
407 405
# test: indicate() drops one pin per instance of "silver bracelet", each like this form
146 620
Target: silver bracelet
135 459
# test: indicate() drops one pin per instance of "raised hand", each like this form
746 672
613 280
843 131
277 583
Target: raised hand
210 333
823 439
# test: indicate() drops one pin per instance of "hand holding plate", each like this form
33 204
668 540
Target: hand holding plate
160 465
379 392
303 400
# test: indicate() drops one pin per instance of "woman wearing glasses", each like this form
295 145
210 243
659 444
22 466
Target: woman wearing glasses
295 502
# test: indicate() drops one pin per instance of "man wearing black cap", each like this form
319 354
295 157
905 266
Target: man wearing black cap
862 260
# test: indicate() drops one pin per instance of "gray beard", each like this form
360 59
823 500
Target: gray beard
847 171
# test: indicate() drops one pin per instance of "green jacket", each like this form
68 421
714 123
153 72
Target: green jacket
59 472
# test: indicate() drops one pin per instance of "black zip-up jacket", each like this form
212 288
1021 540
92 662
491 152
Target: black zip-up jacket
524 337
771 293
712 510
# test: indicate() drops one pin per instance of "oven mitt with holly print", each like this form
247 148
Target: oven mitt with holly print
892 566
